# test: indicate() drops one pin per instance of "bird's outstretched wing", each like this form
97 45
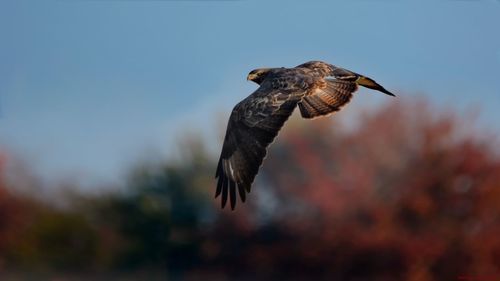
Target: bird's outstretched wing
253 125
328 97
333 89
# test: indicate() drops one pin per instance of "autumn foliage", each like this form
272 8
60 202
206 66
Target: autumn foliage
409 193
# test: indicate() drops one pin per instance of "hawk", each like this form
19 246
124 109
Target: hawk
317 88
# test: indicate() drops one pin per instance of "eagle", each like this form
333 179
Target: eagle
317 88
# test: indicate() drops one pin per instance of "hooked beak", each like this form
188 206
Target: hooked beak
251 77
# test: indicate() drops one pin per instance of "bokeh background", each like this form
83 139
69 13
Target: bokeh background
112 115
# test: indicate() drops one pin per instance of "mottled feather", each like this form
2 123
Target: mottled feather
253 125
316 87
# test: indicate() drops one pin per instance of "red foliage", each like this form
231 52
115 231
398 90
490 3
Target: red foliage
11 213
410 194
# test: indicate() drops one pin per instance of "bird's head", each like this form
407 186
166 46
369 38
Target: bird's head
258 75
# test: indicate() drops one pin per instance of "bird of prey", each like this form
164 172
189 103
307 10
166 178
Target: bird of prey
317 88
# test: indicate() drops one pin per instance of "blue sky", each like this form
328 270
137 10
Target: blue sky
87 87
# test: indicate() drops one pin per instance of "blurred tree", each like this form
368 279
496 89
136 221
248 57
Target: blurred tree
411 193
159 219
36 235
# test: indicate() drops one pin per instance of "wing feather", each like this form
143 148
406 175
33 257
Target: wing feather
252 126
224 191
333 90
329 70
327 99
318 88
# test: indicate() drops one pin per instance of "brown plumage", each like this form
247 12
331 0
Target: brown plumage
318 89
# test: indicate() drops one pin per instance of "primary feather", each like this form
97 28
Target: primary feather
318 89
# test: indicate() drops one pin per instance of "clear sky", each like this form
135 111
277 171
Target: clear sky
87 87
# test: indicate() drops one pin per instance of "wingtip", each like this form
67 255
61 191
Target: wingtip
388 93
223 203
219 168
232 194
371 84
219 187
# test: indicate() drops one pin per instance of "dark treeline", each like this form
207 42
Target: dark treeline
411 193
